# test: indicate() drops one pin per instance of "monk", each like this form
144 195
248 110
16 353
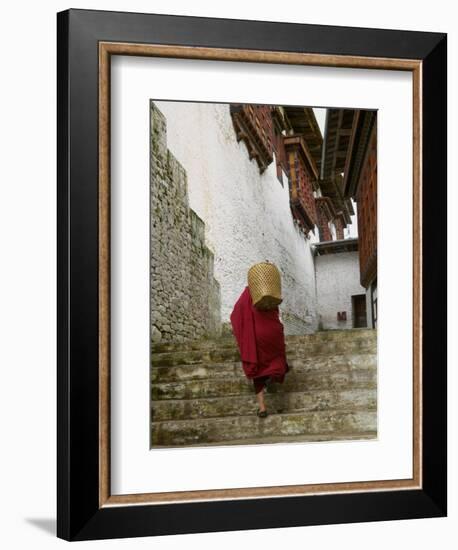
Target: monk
261 342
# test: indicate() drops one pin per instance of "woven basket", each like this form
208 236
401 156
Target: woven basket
264 282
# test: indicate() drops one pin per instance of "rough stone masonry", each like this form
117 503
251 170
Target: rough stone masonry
185 296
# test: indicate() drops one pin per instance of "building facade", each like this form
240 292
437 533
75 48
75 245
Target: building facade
341 300
359 183
246 183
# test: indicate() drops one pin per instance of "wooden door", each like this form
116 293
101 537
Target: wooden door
359 311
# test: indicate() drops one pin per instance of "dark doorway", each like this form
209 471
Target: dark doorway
359 311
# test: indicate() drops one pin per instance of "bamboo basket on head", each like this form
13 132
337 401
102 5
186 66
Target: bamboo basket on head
264 282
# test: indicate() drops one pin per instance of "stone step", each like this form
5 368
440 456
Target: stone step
307 401
213 430
199 371
312 438
236 385
219 355
229 341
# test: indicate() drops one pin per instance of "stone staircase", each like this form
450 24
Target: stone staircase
200 395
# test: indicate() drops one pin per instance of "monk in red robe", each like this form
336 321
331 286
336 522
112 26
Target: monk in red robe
261 342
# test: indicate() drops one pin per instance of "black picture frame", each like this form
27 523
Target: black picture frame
79 514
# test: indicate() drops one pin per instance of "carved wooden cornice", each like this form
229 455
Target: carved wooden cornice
296 143
247 128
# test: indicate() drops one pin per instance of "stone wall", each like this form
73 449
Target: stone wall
185 296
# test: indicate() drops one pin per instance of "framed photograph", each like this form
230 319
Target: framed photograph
251 275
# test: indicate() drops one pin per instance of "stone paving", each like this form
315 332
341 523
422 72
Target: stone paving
200 396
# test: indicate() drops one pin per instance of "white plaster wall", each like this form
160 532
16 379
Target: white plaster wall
247 215
337 280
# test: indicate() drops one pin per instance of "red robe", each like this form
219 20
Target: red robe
260 339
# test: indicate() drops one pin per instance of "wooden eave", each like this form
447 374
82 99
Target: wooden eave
300 213
328 205
296 142
335 247
303 121
340 141
364 125
248 133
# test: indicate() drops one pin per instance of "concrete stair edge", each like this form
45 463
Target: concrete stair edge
185 357
305 401
228 341
273 440
249 426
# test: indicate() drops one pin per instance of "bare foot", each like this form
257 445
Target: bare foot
260 399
